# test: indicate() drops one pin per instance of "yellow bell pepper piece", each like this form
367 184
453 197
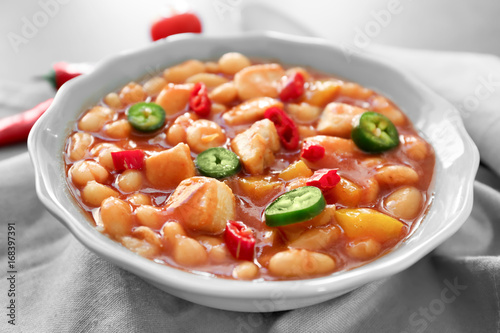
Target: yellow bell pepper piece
366 222
258 186
346 193
320 93
295 170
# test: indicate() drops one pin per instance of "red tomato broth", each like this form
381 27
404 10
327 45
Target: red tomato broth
250 209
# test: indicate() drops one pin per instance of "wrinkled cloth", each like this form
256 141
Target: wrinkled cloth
63 287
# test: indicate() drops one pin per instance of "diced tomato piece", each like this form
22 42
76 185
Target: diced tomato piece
128 159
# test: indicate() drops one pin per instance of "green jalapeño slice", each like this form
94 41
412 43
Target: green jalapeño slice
374 133
146 117
218 162
298 205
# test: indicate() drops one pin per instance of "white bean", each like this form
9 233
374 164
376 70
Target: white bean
84 171
396 175
363 249
79 145
140 246
209 241
415 147
116 216
119 129
130 181
219 254
132 93
179 73
103 152
170 231
245 271
404 203
149 216
382 105
95 119
188 252
148 235
355 91
300 263
93 194
217 108
113 100
224 94
138 199
210 80
212 67
233 62
154 85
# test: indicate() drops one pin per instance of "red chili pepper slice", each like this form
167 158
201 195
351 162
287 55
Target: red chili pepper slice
175 24
128 159
62 72
312 152
286 128
289 137
324 179
16 128
240 240
293 88
199 101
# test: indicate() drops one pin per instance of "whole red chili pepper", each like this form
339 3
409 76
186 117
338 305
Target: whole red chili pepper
286 128
16 128
293 88
324 179
312 152
199 101
62 72
175 24
240 240
128 159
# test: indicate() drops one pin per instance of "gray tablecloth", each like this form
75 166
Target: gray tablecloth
60 286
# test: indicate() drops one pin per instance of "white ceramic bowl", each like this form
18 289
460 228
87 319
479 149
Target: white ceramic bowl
456 165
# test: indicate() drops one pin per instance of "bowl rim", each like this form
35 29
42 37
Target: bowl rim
177 279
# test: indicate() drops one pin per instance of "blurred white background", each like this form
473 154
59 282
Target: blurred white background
87 31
